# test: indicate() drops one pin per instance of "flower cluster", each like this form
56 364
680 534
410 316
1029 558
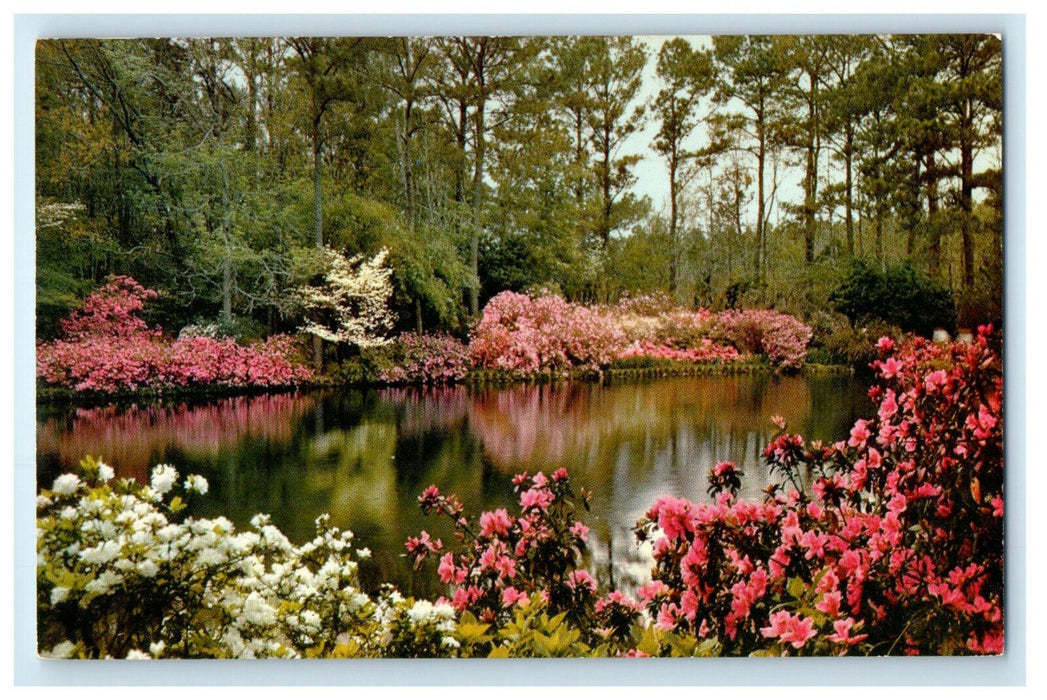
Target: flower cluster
107 346
524 335
896 548
781 337
434 358
507 562
351 303
706 352
120 575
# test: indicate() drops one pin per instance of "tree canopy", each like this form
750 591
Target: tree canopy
210 168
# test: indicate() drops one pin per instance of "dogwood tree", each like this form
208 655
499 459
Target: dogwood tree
351 303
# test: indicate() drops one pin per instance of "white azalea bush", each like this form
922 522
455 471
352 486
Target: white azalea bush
121 575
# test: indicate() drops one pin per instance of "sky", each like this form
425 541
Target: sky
652 175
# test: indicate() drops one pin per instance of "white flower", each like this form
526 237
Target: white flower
66 484
420 611
211 557
310 620
102 583
168 533
364 553
163 478
197 483
257 611
100 553
141 538
136 655
147 568
105 472
63 650
157 648
68 513
42 502
59 594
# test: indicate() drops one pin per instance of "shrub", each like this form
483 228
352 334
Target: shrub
899 296
896 549
523 335
839 342
781 337
704 351
119 575
435 358
514 570
108 347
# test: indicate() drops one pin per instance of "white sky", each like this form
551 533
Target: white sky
652 177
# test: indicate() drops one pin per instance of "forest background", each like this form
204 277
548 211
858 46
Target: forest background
215 170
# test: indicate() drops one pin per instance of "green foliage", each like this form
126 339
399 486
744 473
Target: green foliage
899 296
199 166
837 342
366 367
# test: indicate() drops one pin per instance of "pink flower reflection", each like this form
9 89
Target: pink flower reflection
129 438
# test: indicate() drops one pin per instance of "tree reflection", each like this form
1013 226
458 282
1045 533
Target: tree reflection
364 456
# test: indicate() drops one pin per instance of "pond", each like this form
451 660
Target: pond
364 456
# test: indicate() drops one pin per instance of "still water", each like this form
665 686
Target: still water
364 456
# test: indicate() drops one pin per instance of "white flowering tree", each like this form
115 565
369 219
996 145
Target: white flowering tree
351 304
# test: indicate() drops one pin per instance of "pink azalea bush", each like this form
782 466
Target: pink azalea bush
107 346
508 564
522 335
706 351
781 337
525 335
434 358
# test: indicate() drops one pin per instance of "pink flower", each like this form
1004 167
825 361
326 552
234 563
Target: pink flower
859 434
890 368
536 498
789 628
843 632
830 603
511 597
495 523
580 578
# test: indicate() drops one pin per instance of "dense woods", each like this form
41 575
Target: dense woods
219 171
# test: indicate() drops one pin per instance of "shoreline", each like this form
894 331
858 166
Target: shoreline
56 396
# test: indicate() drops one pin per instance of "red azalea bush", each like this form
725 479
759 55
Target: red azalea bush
781 337
107 346
509 562
898 547
435 358
894 547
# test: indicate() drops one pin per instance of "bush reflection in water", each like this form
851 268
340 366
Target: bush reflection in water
365 455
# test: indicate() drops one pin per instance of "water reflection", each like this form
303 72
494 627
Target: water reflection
364 456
